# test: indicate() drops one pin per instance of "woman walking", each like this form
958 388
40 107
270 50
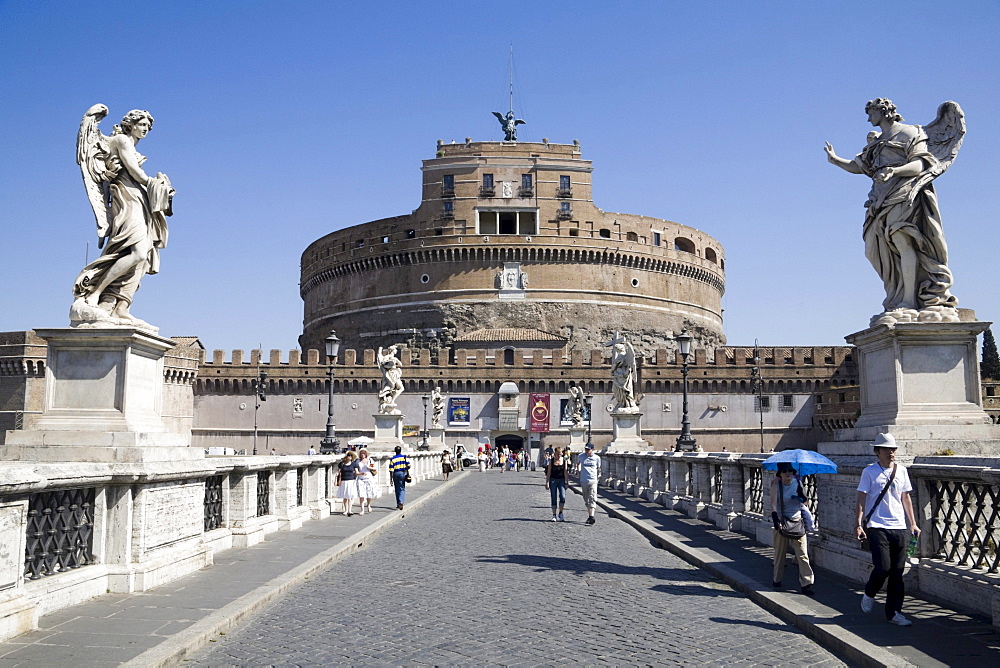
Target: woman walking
368 488
447 463
787 512
347 491
555 482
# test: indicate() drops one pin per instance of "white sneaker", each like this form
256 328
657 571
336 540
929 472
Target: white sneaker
554 519
899 620
867 602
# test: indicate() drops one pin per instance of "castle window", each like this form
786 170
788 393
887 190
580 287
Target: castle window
508 355
360 243
565 188
385 239
411 234
527 189
448 185
487 189
507 222
449 208
604 233
631 236
762 404
574 232
787 403
656 238
711 256
438 232
684 245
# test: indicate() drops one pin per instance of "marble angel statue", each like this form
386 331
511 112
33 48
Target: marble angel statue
392 379
903 234
131 210
437 407
623 375
577 405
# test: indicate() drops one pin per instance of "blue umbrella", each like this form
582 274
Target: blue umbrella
806 462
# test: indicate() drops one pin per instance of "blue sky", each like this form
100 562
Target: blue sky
281 122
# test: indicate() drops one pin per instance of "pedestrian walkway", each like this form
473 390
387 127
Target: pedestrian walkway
480 576
160 626
940 636
473 572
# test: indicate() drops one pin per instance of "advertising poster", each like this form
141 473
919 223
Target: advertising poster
538 411
566 412
411 430
459 410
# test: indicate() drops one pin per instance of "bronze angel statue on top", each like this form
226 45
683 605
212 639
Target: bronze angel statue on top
903 233
509 124
131 210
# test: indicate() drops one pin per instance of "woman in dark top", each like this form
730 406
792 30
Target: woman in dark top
555 482
348 489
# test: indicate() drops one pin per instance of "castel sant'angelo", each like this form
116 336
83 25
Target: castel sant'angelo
507 235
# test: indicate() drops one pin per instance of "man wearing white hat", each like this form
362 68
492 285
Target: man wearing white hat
885 516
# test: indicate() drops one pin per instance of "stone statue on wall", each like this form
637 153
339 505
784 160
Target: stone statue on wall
903 234
623 375
577 405
437 408
131 210
509 124
392 379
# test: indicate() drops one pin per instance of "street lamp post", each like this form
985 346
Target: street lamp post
757 383
426 399
330 442
590 418
685 442
259 396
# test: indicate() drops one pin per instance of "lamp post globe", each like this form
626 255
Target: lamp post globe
685 442
330 443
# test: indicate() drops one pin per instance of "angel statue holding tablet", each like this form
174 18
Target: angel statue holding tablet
131 210
903 234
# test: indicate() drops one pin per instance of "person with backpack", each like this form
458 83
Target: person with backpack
787 513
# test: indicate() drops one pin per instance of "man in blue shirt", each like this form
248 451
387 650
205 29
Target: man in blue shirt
589 466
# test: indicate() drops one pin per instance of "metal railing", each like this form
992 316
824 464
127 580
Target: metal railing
60 532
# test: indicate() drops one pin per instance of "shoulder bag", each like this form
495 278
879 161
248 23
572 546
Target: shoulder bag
865 543
787 527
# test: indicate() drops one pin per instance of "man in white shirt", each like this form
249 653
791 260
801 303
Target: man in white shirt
589 466
884 521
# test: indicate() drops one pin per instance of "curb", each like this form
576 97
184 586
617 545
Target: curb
176 648
829 634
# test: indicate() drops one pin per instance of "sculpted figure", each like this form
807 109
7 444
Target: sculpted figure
509 124
623 373
437 407
903 234
131 209
392 379
577 403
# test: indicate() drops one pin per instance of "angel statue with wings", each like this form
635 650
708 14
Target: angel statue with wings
623 375
437 407
903 234
509 124
392 379
131 210
577 405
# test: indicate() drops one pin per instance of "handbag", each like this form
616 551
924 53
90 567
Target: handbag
865 543
787 527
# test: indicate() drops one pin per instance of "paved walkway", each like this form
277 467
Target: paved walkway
473 572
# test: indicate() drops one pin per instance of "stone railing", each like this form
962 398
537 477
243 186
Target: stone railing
71 531
957 504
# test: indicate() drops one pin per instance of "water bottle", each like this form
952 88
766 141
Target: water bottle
911 548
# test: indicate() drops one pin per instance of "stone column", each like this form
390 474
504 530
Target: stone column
701 488
658 482
388 432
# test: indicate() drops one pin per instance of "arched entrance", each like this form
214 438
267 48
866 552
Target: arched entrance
513 443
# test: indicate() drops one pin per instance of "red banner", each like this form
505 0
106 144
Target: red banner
538 411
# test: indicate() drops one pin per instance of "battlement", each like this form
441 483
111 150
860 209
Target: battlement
542 149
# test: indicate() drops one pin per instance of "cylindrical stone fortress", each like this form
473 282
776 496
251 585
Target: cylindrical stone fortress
507 236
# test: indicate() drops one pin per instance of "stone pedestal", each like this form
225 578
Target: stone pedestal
577 438
388 432
435 439
920 383
919 374
626 433
103 397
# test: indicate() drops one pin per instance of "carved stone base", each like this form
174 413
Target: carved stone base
577 438
627 433
920 373
435 439
388 432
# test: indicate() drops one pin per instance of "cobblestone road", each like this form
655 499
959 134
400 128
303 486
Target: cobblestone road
479 575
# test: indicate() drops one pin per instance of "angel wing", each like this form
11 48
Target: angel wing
500 117
520 122
944 138
92 154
